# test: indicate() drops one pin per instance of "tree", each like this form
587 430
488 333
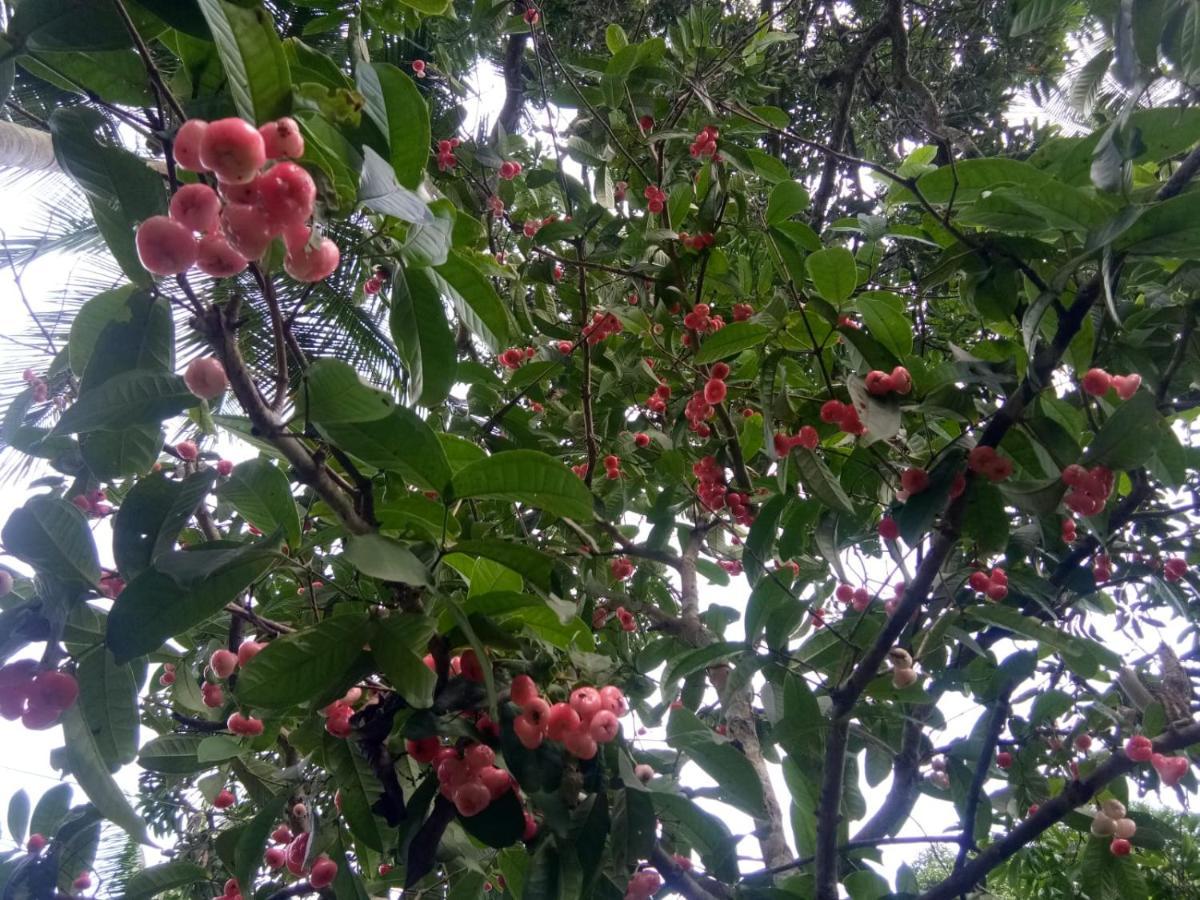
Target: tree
914 385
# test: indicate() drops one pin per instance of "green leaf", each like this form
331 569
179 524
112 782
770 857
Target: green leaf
252 841
527 561
253 58
398 660
385 558
67 25
262 494
110 455
429 8
296 667
51 809
332 393
141 621
500 824
883 314
108 697
423 337
820 482
53 537
730 340
701 658
615 38
1033 14
86 764
705 832
787 198
1129 437
359 786
136 397
735 776
151 516
834 273
121 189
396 106
18 816
174 754
866 885
159 879
401 442
127 323
475 300
528 477
379 191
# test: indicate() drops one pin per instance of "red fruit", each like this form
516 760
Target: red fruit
888 529
245 228
205 377
479 756
581 744
1139 749
384 870
197 206
217 259
418 67
233 149
324 870
224 799
286 193
164 246
844 593
901 380
832 411
586 702
166 679
223 662
612 698
1120 847
1174 569
472 668
82 882
714 391
471 798
641 439
35 843
531 827
244 725
282 139
275 857
878 383
1171 769
979 581
247 650
313 264
604 727
1083 742
296 238
528 729
339 726
186 146
282 835
646 123
997 591
497 781
39 718
53 689
212 694
807 437
523 690
1004 759
914 480
1096 382
564 347
562 720
1126 385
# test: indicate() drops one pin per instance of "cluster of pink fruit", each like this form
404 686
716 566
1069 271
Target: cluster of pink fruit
1170 769
338 713
92 503
705 144
1097 382
446 160
515 357
1087 489
293 851
251 207
843 415
657 401
467 776
588 720
603 324
624 617
643 885
807 437
656 197
859 598
985 461
36 696
880 383
697 242
742 312
715 494
994 586
509 169
701 318
621 568
41 390
1111 821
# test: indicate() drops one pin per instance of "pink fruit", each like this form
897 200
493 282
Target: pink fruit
197 206
1139 749
282 139
295 237
205 377
586 702
164 246
282 835
275 857
245 228
186 147
1171 769
239 193
1126 385
497 781
422 750
612 698
471 798
53 689
223 662
247 650
523 690
561 721
233 149
888 529
82 882
1120 847
1004 759
324 870
217 258
224 799
580 744
528 729
296 851
286 193
1096 382
531 827
643 773
36 843
313 264
604 727
225 468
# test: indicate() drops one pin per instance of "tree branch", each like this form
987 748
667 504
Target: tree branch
983 765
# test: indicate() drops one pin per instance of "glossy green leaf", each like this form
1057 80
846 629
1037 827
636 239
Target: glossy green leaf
53 537
262 494
332 393
252 841
253 58
883 314
18 816
529 562
731 340
151 516
155 880
787 199
402 665
87 766
380 192
296 667
834 273
528 477
359 787
738 783
820 482
173 754
1129 437
136 397
399 111
385 558
401 442
475 300
131 327
108 697
423 337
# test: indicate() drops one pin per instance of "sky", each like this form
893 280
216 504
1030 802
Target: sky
24 755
